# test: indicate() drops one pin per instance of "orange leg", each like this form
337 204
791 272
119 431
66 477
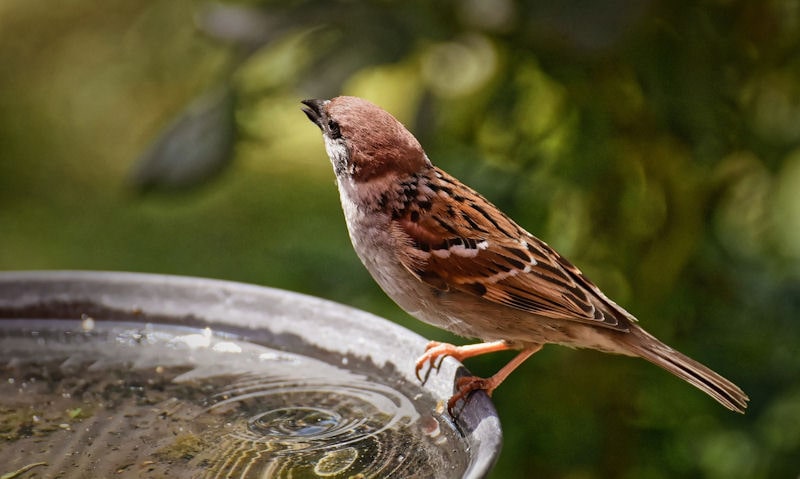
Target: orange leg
467 384
435 353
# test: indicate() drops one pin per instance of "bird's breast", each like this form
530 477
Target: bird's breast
377 247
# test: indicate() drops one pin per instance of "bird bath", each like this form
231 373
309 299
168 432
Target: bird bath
136 375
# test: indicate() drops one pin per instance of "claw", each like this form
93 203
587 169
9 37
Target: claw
465 386
429 357
438 365
435 352
420 365
434 355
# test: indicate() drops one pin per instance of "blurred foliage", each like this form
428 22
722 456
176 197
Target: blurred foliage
655 143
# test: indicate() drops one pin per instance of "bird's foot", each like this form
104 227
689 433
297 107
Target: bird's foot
464 388
435 352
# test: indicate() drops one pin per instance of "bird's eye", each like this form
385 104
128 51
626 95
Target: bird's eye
333 130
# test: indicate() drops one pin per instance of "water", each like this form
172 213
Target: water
103 399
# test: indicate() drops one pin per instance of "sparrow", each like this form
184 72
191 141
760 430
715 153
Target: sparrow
450 258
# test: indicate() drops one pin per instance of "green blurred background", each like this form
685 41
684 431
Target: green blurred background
655 143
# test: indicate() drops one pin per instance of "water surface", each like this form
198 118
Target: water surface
103 399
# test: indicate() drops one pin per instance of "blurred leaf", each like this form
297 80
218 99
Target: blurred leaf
196 146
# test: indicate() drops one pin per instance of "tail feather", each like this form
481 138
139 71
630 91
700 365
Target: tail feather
642 344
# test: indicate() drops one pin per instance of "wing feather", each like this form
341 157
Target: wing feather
459 243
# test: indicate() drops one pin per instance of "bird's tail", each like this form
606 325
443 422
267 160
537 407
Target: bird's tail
642 344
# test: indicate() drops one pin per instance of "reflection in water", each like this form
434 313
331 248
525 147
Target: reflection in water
125 401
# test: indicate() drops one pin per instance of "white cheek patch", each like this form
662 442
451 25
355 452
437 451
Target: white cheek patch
337 152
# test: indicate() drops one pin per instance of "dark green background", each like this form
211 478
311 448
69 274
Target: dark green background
656 144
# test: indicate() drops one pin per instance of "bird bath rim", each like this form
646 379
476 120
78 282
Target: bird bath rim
308 324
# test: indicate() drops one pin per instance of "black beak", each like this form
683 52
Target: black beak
314 112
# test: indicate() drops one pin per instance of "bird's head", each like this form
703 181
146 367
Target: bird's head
363 141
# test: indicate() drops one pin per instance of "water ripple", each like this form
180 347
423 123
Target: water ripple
179 407
317 428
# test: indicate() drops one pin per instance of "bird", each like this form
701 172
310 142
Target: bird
452 259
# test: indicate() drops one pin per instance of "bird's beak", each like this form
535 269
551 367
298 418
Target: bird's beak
315 112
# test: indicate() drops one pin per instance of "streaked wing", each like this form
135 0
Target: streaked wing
459 243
